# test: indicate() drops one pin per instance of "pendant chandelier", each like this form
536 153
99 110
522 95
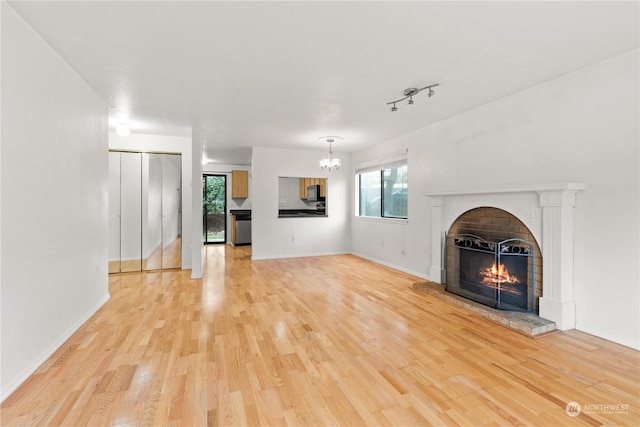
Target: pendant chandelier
330 163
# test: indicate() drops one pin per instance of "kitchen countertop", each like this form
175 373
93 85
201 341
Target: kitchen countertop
301 213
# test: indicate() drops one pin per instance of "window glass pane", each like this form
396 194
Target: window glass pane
370 194
395 192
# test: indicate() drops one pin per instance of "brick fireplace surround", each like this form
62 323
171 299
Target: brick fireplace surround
546 210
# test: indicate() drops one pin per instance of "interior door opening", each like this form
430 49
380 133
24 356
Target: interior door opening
214 206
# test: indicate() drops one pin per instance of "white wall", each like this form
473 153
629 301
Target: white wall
167 144
54 201
582 127
272 236
197 248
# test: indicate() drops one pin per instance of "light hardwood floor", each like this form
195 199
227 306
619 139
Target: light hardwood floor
333 340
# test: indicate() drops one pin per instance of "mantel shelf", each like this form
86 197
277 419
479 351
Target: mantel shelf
567 186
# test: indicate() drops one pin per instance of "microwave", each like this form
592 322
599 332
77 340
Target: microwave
313 193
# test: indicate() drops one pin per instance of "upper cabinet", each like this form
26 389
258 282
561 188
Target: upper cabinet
306 182
239 184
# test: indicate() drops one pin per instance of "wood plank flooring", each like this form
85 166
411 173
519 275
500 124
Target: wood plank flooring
333 340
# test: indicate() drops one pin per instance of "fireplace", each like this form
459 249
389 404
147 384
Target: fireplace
546 212
491 258
498 274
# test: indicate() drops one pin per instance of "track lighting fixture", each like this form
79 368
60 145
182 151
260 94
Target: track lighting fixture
410 93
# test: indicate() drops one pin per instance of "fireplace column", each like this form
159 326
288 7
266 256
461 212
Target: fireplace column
557 303
437 240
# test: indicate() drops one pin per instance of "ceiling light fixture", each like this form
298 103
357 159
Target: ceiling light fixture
410 93
123 130
330 162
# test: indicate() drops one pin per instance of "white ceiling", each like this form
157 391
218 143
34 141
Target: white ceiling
282 74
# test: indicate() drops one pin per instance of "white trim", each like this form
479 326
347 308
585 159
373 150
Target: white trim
388 220
52 349
540 187
393 159
394 266
305 255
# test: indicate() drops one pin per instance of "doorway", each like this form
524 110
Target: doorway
214 209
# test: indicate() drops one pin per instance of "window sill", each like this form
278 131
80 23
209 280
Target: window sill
400 221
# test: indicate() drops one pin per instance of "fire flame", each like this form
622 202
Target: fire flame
497 274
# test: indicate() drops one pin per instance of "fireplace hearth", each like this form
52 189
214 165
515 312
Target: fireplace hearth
498 274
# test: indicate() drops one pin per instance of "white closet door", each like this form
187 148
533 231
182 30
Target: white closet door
130 212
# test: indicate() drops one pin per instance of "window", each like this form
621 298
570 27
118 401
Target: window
382 188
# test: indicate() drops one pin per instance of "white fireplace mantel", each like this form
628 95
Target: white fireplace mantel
547 210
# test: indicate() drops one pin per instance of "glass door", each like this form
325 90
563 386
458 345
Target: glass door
214 206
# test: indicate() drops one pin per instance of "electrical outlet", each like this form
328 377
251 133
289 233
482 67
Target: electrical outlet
293 239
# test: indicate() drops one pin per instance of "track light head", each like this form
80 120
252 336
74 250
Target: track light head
394 108
410 100
430 94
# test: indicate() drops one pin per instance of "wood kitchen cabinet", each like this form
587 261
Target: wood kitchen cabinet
239 184
233 229
305 182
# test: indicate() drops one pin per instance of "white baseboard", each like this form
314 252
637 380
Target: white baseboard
282 256
395 267
377 261
52 349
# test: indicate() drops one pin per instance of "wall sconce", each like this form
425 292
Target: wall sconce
410 93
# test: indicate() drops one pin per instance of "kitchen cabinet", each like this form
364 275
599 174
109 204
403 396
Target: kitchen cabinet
305 182
239 184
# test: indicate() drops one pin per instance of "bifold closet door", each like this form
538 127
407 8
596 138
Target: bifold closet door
130 212
151 211
171 210
114 212
144 211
